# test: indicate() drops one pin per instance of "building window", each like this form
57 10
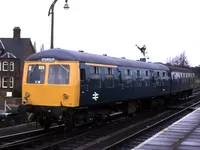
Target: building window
11 66
4 82
5 66
11 82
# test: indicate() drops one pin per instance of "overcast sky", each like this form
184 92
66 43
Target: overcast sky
113 27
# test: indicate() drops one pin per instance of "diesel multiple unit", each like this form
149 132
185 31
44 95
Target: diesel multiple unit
75 87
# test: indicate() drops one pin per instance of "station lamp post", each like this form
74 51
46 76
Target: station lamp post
51 12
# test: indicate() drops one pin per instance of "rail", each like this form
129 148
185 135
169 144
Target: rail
106 137
13 140
149 127
99 137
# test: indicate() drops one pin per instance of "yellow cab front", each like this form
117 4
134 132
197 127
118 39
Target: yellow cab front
51 83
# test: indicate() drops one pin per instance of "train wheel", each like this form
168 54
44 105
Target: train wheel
47 124
70 121
161 104
100 120
153 105
186 96
41 122
138 105
70 124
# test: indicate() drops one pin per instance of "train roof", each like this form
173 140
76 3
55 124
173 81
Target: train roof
62 54
179 69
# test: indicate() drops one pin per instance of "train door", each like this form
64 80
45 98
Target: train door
153 82
83 86
91 85
120 87
94 85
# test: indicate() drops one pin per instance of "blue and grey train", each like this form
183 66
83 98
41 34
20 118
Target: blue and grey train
76 87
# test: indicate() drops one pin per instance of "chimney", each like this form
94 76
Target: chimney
16 32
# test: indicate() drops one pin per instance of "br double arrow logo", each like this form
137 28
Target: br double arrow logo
95 96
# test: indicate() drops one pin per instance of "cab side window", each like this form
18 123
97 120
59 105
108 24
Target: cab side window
82 75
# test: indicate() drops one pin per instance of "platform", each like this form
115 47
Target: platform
181 135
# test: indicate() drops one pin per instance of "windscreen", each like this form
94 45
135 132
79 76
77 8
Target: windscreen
36 74
58 74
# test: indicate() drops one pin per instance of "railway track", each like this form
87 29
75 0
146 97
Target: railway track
12 120
69 140
102 137
110 136
132 139
18 139
15 119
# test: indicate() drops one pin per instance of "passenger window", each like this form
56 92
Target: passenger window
109 81
147 73
95 70
128 72
95 81
138 73
158 74
109 71
128 78
95 78
109 78
173 76
163 74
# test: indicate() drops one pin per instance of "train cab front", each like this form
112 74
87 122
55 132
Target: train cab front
49 88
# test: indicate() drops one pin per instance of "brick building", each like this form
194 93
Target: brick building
13 52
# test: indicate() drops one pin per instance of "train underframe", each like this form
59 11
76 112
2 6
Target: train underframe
73 117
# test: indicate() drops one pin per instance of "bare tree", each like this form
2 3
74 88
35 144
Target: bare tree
179 60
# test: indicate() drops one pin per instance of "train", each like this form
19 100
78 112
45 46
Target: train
75 87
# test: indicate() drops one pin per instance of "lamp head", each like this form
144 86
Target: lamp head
66 6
